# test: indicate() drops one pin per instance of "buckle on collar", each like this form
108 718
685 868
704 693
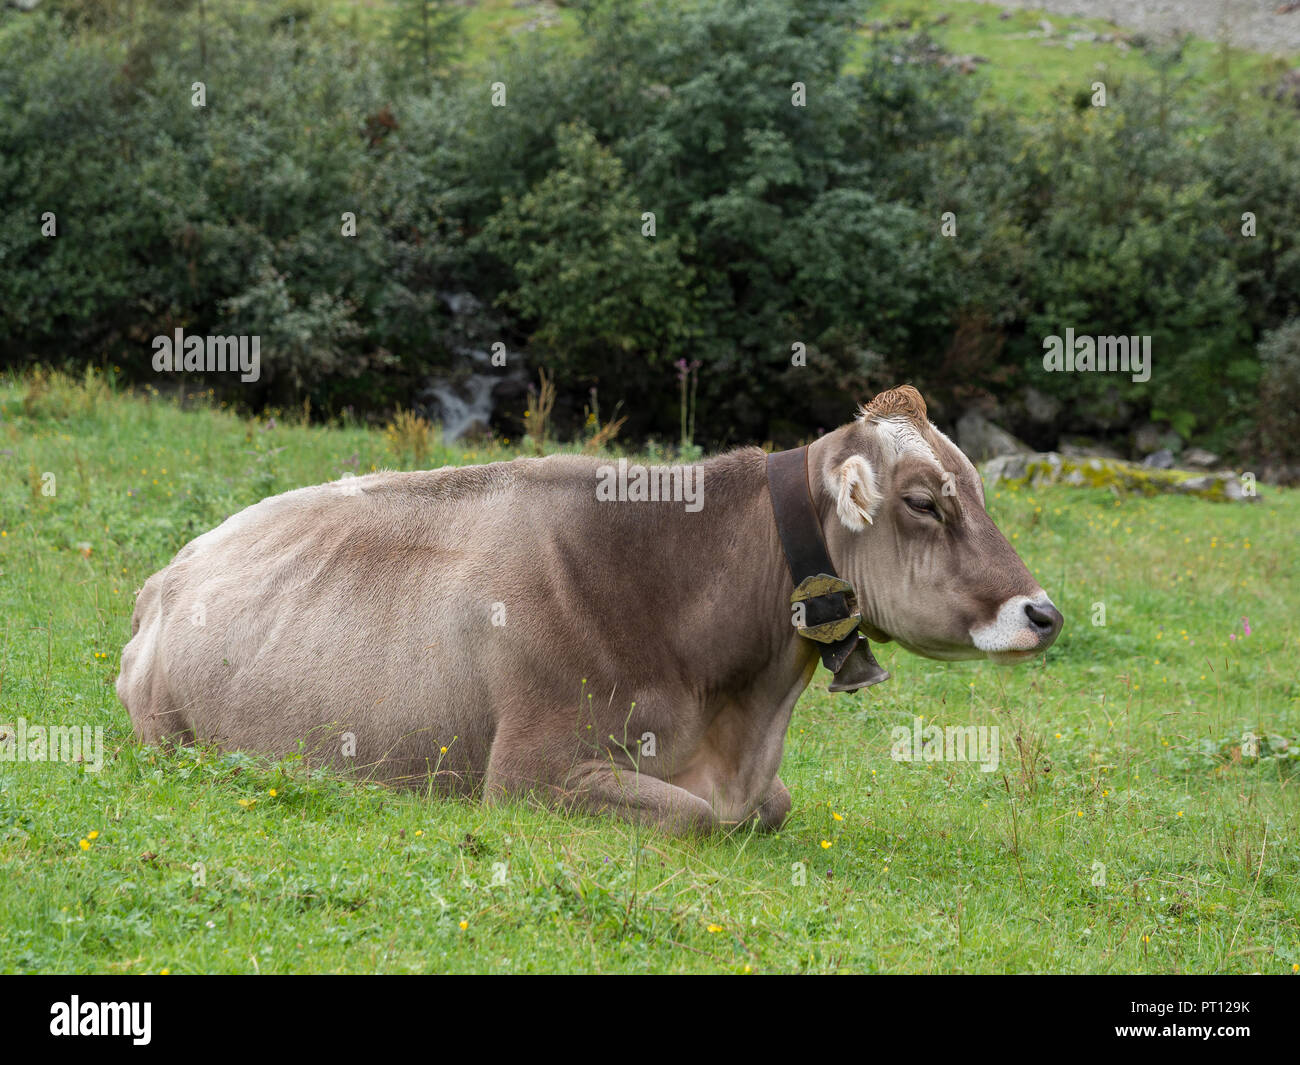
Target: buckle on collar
830 608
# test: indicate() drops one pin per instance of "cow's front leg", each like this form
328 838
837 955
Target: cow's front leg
775 806
600 786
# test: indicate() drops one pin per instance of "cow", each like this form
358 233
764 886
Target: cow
516 629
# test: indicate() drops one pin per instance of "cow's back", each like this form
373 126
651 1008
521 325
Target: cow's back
345 619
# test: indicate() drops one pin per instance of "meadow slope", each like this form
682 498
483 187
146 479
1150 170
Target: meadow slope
1123 831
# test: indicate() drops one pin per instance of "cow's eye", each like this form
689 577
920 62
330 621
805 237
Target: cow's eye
922 505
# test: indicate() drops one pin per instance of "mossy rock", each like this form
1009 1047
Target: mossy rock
1049 467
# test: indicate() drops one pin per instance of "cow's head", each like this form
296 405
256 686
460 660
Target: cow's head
905 523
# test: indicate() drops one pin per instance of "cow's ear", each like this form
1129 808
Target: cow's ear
853 483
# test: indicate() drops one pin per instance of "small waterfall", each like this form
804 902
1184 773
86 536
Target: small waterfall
464 405
463 399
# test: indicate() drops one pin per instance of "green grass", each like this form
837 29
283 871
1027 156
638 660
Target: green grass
1111 756
1034 78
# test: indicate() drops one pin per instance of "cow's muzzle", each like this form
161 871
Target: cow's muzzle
1024 626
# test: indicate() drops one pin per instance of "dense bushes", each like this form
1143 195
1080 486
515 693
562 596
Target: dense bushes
600 294
215 219
778 221
1131 240
1279 420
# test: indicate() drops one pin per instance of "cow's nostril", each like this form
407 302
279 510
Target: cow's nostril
1043 620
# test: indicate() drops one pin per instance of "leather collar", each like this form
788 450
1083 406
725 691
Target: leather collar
826 606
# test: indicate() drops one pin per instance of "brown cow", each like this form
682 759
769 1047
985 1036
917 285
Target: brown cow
567 628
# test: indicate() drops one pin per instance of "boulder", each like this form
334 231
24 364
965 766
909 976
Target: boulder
1146 439
1048 467
1226 486
1082 448
1040 407
981 439
1197 458
1151 438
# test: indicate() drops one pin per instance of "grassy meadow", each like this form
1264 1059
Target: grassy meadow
1123 831
1033 72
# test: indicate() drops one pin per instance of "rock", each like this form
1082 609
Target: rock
1222 485
1197 458
1005 468
1037 467
1160 460
1040 406
1046 468
1147 439
981 439
1217 485
1080 447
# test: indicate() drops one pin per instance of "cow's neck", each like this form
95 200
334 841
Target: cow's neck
732 589
739 566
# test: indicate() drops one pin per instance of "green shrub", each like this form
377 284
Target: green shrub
606 300
1128 239
1279 393
776 224
794 224
217 219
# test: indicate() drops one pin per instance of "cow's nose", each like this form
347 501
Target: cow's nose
1045 620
